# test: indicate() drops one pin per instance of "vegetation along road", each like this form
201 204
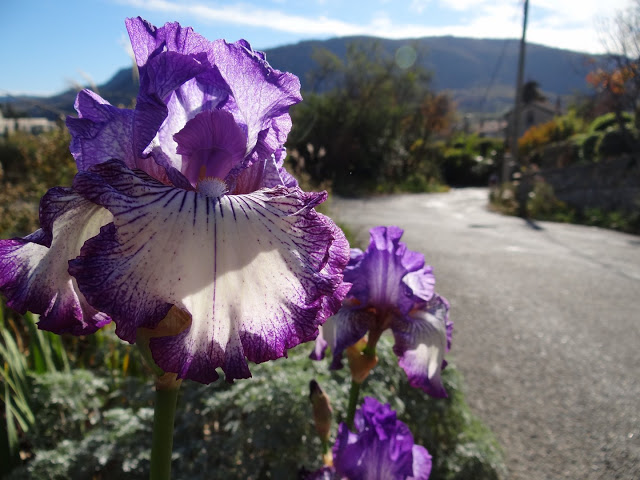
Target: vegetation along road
547 327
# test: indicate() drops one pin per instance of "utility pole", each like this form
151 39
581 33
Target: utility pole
515 124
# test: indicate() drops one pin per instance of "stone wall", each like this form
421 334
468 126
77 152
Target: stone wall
612 184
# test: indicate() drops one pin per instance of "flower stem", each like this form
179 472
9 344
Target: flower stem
163 418
354 392
142 342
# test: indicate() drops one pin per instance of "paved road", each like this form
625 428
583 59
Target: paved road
547 328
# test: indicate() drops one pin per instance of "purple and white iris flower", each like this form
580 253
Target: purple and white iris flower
392 289
183 202
382 448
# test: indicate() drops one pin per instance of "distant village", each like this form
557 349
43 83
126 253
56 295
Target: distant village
532 114
32 125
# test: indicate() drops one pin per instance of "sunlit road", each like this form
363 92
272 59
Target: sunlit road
547 328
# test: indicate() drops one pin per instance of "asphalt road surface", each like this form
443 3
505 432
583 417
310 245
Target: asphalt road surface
547 327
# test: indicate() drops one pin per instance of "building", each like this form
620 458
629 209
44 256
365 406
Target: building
533 113
33 125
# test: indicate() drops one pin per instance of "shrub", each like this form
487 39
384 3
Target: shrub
556 130
617 220
608 120
31 164
470 160
537 136
615 142
542 204
371 126
588 147
255 429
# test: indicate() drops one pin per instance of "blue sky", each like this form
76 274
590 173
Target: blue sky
50 45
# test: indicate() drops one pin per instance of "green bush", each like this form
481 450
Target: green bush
570 124
553 131
30 165
617 220
469 160
416 182
370 126
588 148
503 199
38 361
542 204
615 142
258 428
608 120
61 415
24 349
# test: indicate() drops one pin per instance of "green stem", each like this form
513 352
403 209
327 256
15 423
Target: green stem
325 447
142 342
369 350
354 392
162 443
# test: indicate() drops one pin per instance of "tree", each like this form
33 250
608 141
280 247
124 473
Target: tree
531 93
619 80
368 128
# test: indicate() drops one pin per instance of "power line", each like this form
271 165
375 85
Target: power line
515 16
495 73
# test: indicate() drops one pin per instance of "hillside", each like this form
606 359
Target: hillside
466 67
479 73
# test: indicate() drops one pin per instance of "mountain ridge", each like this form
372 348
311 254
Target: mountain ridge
478 73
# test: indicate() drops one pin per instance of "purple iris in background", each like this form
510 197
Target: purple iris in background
183 202
382 448
392 289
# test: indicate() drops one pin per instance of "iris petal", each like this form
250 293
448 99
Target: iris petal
340 332
254 271
420 284
264 174
239 80
421 463
267 117
380 449
33 271
147 40
388 275
169 113
211 144
103 132
420 343
96 136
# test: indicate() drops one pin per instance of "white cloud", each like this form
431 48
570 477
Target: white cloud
564 24
242 14
418 6
466 5
238 14
580 11
381 22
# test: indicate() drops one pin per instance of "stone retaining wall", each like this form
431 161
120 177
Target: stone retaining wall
612 184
